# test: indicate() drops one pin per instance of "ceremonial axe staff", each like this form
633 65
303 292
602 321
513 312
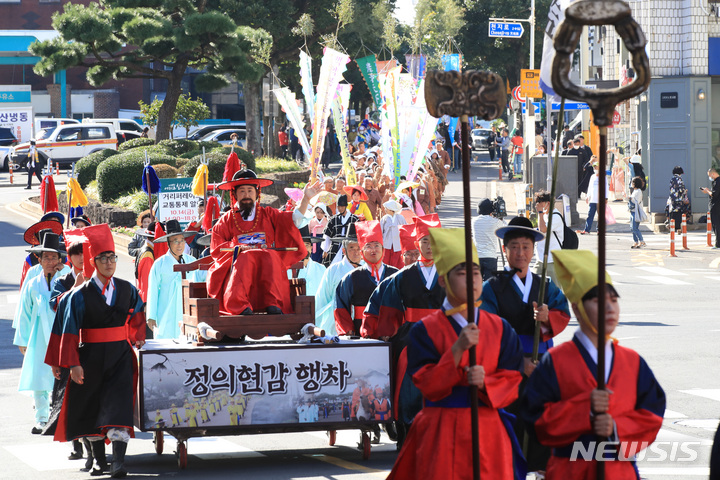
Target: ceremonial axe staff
602 103
479 94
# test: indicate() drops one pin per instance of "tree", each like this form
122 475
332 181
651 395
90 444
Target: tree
437 24
154 39
187 114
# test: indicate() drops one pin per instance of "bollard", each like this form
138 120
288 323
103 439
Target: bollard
56 168
672 238
10 169
684 232
500 169
709 231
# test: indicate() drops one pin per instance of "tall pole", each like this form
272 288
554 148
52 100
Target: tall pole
530 129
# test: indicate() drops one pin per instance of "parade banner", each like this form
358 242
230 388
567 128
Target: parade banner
177 201
341 131
333 66
306 81
343 93
368 69
288 102
451 61
389 85
255 385
416 65
384 66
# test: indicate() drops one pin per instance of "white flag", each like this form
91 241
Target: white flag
556 15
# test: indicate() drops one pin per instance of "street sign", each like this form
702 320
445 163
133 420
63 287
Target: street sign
15 94
517 95
568 106
617 118
530 83
505 29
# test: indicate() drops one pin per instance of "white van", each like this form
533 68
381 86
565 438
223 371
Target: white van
67 143
124 124
41 123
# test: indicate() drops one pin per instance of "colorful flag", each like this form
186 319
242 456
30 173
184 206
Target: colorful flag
286 99
368 69
556 14
338 113
306 81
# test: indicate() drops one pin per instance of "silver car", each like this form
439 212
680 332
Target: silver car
223 136
479 138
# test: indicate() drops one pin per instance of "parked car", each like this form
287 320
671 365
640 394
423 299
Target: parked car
479 138
41 123
4 158
122 124
7 139
125 135
223 136
66 144
205 129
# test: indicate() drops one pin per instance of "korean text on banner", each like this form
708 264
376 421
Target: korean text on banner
307 83
390 89
556 14
338 113
368 68
286 99
19 120
177 201
333 66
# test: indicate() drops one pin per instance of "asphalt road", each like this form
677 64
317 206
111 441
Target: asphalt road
668 315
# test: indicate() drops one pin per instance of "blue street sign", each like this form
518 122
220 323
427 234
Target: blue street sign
556 106
505 30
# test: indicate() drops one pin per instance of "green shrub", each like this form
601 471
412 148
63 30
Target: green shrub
165 171
135 143
123 173
208 146
179 146
137 201
216 163
273 164
190 154
86 167
181 161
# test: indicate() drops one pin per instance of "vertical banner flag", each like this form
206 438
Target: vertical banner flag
416 65
556 15
343 93
390 92
451 61
307 83
286 99
338 113
368 68
331 71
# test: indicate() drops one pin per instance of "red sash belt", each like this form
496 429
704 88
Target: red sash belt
103 335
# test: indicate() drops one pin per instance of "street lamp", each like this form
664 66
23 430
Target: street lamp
701 94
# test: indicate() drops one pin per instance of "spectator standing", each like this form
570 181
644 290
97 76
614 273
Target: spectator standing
714 204
678 201
138 240
504 142
486 242
491 140
637 211
283 141
592 197
517 143
543 205
34 165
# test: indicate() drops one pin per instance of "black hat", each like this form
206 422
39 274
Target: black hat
50 243
351 235
485 207
305 234
205 240
245 177
32 234
148 232
520 224
82 218
172 227
342 201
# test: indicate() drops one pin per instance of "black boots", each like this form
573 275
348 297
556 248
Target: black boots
98 454
118 463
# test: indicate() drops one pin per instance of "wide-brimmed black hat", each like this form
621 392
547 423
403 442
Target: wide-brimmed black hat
245 177
351 235
51 243
305 233
148 232
31 234
82 218
172 227
520 224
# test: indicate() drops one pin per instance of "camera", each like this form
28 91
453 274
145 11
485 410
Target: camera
499 208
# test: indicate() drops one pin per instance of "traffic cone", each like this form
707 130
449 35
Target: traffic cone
684 232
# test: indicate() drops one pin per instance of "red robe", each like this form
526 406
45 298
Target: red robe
256 278
439 444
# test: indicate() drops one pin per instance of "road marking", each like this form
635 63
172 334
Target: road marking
712 394
665 280
673 414
338 462
715 263
648 259
54 456
713 277
709 424
661 271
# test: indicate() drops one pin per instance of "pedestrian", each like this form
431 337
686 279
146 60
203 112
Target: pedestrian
439 442
491 141
567 135
164 307
144 133
486 243
33 322
714 204
317 227
444 155
105 314
35 165
514 294
517 145
562 400
504 142
390 225
635 204
543 206
283 142
138 240
593 196
678 201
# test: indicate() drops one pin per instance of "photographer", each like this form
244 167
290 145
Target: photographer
483 228
543 205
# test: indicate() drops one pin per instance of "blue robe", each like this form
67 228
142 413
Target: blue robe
313 274
164 296
36 270
33 324
325 297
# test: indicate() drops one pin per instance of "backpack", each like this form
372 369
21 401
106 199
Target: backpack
570 238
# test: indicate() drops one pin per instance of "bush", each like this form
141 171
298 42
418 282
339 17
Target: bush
272 164
190 154
136 142
180 146
216 163
86 167
181 161
137 201
165 171
123 173
208 146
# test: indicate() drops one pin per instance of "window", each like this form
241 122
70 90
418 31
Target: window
131 126
94 133
69 135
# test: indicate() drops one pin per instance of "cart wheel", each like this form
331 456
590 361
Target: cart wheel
182 455
332 434
159 441
365 446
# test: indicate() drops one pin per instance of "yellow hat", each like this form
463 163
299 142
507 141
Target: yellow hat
577 272
448 247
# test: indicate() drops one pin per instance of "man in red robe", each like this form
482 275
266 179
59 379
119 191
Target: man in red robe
253 246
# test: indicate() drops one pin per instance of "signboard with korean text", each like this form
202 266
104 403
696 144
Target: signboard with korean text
15 93
263 384
177 201
20 120
530 83
505 29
